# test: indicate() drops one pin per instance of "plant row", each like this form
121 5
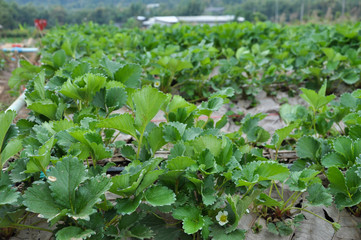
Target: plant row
204 187
196 60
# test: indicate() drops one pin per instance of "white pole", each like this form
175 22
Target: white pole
18 104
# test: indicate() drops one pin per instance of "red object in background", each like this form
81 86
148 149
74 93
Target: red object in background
40 24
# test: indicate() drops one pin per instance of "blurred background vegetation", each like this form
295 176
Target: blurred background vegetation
15 13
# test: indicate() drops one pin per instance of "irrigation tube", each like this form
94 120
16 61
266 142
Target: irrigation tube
18 104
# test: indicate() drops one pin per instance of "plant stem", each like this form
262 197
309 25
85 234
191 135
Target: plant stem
115 219
270 190
289 199
293 202
314 214
18 225
176 186
140 144
248 190
279 194
24 217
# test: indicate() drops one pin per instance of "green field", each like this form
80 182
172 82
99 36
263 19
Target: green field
97 83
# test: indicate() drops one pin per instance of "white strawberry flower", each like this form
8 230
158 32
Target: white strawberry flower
157 84
222 217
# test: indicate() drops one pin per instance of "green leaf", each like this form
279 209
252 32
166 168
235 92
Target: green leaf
267 201
318 195
240 207
39 83
160 196
69 173
219 233
84 87
171 134
59 58
147 101
210 142
11 148
149 179
281 134
38 199
8 194
334 160
291 113
115 98
99 98
78 198
41 160
129 74
155 139
141 232
317 100
45 107
23 74
272 171
80 70
308 147
354 132
353 180
88 194
6 119
184 212
176 103
348 100
128 205
298 181
123 123
72 233
337 181
124 185
208 191
193 225
343 145
350 76
191 217
352 119
179 163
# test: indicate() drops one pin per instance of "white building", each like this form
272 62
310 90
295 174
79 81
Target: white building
210 20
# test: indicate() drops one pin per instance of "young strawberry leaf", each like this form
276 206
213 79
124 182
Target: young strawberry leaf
281 134
83 88
317 100
40 161
299 181
318 195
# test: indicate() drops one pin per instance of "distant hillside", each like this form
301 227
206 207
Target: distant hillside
71 4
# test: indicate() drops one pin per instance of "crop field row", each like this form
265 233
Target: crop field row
58 163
